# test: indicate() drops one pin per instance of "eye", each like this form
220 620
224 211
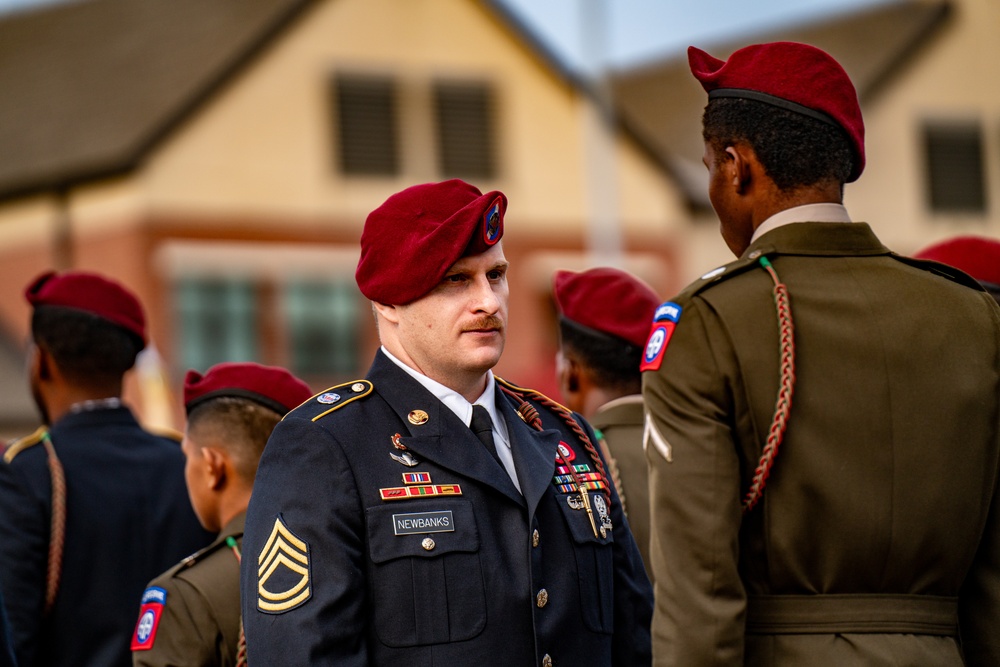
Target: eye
454 278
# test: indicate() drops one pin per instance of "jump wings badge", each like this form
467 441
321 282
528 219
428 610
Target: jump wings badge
282 571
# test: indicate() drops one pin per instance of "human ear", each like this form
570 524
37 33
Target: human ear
214 461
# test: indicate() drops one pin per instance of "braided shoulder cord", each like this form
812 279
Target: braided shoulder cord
531 417
57 525
786 388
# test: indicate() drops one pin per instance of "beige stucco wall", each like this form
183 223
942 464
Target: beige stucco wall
952 77
263 145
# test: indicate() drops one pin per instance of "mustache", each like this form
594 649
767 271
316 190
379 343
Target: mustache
487 322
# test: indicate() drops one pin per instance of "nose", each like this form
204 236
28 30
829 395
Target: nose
485 299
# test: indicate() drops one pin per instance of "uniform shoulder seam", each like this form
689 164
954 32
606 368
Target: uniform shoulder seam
332 399
189 561
944 270
723 273
24 443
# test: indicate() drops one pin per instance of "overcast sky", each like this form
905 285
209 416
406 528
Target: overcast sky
639 30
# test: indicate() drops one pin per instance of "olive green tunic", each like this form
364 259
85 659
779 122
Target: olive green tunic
620 423
200 621
878 536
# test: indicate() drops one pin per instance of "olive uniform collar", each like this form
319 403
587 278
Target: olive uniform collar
818 239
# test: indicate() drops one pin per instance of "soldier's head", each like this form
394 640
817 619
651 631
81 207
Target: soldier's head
604 320
86 331
785 110
433 266
978 256
231 411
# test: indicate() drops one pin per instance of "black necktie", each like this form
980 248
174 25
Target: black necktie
482 426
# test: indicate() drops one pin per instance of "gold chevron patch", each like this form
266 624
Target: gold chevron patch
284 561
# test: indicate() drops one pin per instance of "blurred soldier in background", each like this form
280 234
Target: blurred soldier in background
976 255
604 317
91 506
825 414
190 615
432 514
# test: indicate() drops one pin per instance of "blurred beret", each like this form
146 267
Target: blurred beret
607 300
409 241
270 386
792 76
976 255
91 293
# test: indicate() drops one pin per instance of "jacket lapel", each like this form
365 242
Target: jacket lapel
534 453
442 438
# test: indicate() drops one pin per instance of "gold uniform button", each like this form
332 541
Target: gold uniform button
546 660
542 598
428 544
534 538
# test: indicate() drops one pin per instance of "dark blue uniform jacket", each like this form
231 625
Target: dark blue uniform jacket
128 518
334 574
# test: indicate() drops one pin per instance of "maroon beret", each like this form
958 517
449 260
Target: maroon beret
270 386
793 76
410 241
607 300
91 293
976 255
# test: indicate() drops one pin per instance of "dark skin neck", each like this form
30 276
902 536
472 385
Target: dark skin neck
747 196
581 393
58 392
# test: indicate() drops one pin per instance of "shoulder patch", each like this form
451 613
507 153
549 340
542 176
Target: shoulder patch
664 322
153 601
21 444
332 399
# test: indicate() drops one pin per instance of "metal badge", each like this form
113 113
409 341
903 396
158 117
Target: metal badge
418 417
405 458
574 502
328 398
602 512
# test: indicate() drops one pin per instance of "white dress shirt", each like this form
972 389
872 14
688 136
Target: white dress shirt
463 410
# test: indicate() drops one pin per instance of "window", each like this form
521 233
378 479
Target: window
217 321
464 116
366 111
954 153
322 319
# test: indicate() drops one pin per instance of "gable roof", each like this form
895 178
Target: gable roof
663 103
91 87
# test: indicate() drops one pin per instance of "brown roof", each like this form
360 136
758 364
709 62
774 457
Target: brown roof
90 87
662 102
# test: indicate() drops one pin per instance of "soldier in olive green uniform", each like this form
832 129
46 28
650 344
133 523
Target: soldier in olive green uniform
190 615
604 318
824 430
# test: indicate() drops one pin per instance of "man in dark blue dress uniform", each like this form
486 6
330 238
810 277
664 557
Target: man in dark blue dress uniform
433 514
92 506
